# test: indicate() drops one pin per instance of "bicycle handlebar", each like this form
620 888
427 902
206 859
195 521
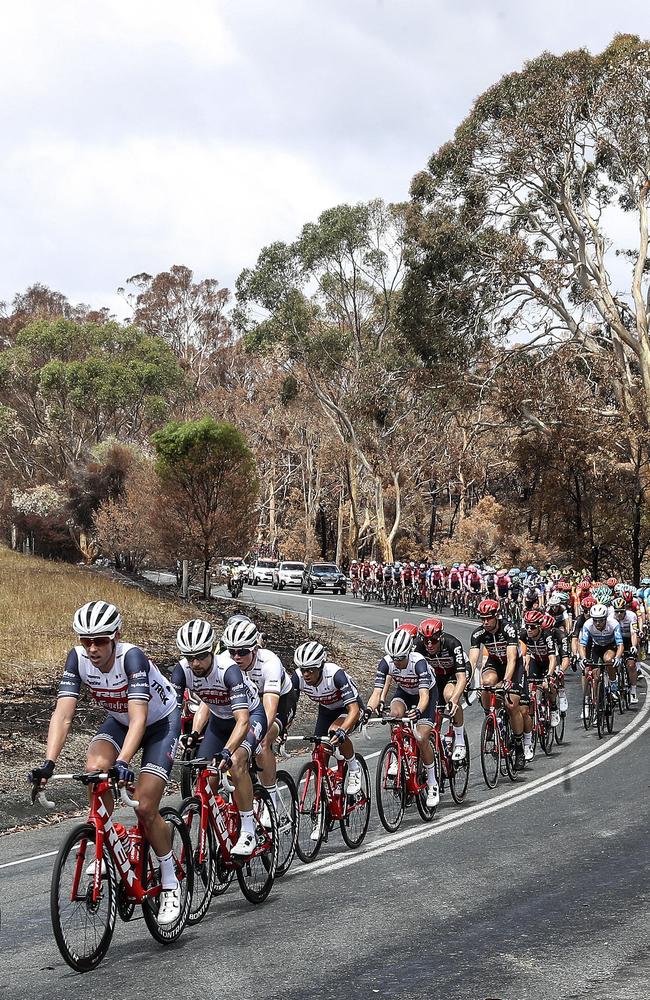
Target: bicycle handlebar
205 763
87 778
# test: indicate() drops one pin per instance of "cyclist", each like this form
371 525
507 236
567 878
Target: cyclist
415 697
444 653
279 698
142 714
540 659
339 704
237 720
601 639
503 666
628 624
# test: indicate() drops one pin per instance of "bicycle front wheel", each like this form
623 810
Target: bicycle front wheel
257 873
610 709
354 825
205 867
600 708
390 789
311 813
286 808
490 752
427 812
83 926
181 847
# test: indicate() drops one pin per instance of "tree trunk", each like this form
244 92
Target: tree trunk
353 491
340 527
636 539
206 579
383 541
272 508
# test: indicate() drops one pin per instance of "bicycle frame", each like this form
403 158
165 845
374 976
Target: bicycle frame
222 816
403 738
331 780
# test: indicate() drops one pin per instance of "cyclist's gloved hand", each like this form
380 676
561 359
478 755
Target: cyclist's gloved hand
39 776
618 661
189 741
338 736
414 714
381 707
366 715
223 759
123 772
633 651
506 684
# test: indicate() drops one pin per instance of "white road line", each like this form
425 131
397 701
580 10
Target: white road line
24 861
394 842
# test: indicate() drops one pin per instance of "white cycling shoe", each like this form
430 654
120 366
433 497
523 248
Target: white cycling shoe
353 784
634 698
169 908
392 768
90 870
245 845
529 753
433 796
555 718
265 818
459 753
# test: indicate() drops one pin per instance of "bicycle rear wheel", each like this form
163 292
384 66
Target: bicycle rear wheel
600 708
390 790
257 873
311 817
559 729
459 776
509 743
286 808
181 847
354 825
490 752
83 928
610 709
205 869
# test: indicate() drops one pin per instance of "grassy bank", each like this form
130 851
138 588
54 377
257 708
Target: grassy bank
37 601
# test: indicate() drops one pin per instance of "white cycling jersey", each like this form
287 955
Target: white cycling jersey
417 673
268 674
609 635
225 690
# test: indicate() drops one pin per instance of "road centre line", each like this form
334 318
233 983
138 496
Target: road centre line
24 861
392 842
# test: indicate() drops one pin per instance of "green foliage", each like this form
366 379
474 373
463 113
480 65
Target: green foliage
200 447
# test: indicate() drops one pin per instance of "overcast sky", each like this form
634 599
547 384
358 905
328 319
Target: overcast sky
137 134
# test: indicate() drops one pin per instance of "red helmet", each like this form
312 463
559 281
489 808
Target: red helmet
488 608
548 621
410 628
431 629
587 602
611 581
534 618
584 587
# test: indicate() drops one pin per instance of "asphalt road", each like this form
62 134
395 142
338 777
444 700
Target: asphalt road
539 889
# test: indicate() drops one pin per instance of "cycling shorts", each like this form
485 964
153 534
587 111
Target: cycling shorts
442 680
454 584
537 668
158 742
218 732
500 668
326 718
595 653
475 587
410 699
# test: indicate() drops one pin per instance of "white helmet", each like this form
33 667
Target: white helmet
240 634
599 612
97 618
398 643
310 655
237 618
195 636
555 599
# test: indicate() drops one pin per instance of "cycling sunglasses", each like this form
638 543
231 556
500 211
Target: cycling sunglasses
240 651
95 640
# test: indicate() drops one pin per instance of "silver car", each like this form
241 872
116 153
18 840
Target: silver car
262 571
288 574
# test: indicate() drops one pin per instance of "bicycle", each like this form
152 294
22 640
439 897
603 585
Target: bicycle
455 602
540 705
190 706
322 802
456 773
497 740
401 776
212 824
124 872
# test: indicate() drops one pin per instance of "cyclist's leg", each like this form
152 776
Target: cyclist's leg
489 677
103 751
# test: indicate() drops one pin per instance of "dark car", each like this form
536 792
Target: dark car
323 576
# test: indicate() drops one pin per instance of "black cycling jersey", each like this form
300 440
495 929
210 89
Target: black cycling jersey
448 661
496 643
541 647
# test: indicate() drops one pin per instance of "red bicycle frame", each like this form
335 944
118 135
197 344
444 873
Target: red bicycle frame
330 779
223 816
403 738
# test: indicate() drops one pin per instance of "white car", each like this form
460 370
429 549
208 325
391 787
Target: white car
262 571
288 574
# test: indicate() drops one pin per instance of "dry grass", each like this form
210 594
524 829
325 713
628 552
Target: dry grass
37 601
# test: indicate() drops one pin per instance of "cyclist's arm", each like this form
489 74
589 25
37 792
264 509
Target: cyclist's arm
382 685
238 735
424 682
512 651
349 697
618 639
462 676
200 718
138 711
60 726
270 702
